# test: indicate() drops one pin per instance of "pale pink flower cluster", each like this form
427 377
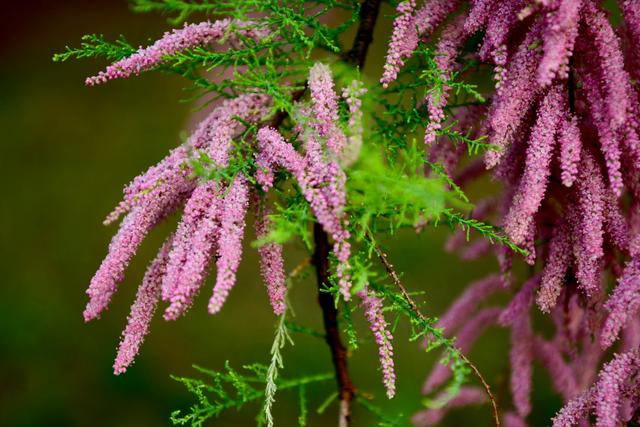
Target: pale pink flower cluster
214 210
564 119
179 40
380 328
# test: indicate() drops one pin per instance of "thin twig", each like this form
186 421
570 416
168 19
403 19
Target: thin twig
414 307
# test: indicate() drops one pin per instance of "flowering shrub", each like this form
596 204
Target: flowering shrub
285 139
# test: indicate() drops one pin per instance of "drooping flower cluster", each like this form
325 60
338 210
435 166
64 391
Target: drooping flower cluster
179 40
564 124
214 209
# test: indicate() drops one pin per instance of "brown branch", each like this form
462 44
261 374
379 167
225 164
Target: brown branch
414 307
364 36
346 389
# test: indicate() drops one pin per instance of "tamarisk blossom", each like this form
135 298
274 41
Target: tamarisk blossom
319 190
404 41
537 168
232 221
380 329
408 27
179 40
570 150
352 95
452 38
142 310
617 382
623 304
161 191
563 119
271 263
558 41
317 172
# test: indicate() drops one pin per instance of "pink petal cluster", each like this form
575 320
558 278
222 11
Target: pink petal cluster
380 328
317 171
616 388
179 40
564 120
213 210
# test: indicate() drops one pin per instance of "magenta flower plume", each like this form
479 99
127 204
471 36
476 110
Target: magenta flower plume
613 383
558 41
380 329
563 121
589 248
555 269
452 38
404 40
179 40
201 247
142 311
570 149
325 108
230 241
125 243
352 95
271 263
514 96
537 170
623 304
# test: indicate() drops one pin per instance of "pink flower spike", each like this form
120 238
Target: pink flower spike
557 264
194 214
142 311
380 329
616 79
589 229
623 304
533 184
325 108
610 387
179 40
201 247
451 40
558 41
125 243
404 40
514 97
570 149
271 262
232 222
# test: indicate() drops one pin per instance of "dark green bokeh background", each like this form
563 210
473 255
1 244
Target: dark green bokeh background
67 150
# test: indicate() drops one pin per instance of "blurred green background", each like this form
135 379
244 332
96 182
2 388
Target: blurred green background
67 151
